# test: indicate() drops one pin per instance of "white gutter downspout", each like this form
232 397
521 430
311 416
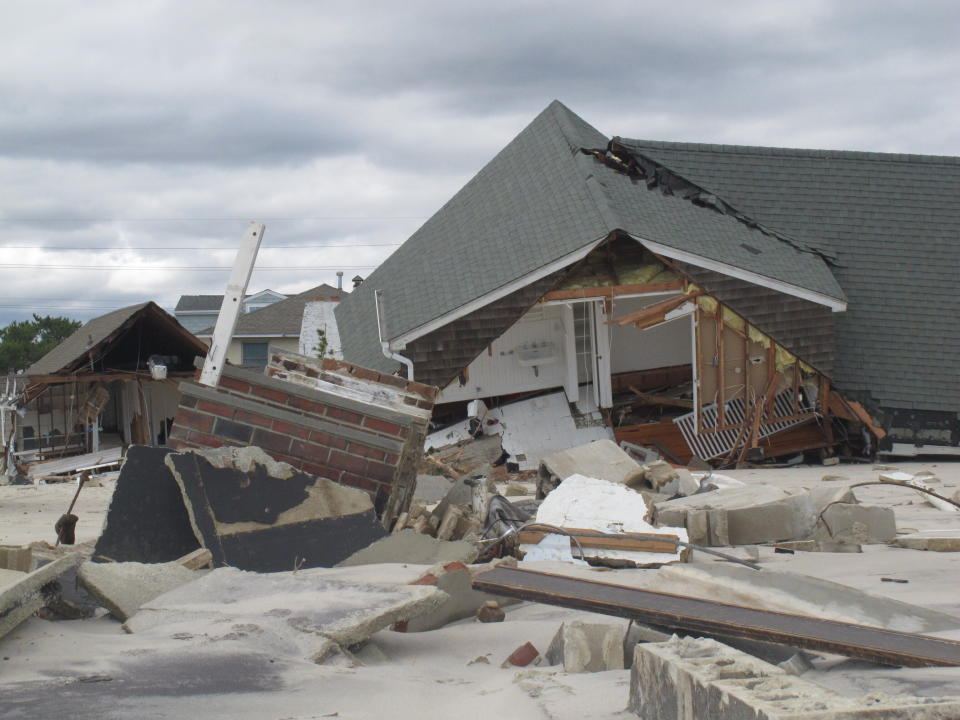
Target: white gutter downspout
385 345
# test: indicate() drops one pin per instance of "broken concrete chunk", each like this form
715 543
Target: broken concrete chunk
601 459
857 524
200 558
588 647
14 557
23 594
750 515
147 520
122 588
255 513
797 594
934 540
696 678
491 612
409 546
309 610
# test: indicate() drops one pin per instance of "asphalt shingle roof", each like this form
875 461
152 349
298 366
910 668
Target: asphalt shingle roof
283 317
892 222
537 200
199 303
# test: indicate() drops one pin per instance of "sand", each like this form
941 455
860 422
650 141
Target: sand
92 669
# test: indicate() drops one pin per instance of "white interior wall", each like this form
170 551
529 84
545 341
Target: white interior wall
500 371
634 349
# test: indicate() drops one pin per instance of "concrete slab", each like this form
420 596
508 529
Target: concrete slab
306 609
857 524
696 678
588 647
409 546
255 513
147 520
123 587
797 594
24 593
601 459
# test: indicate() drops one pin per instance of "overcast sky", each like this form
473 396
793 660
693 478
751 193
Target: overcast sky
137 139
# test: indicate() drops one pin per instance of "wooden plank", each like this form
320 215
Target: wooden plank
606 541
887 647
654 314
721 368
661 399
663 435
612 291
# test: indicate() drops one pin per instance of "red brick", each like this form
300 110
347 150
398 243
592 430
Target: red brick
363 451
306 405
350 463
233 384
379 471
428 579
428 392
320 471
270 394
425 404
187 401
383 426
216 408
451 566
391 459
193 420
328 440
310 452
359 482
249 418
344 415
203 440
271 441
290 429
365 373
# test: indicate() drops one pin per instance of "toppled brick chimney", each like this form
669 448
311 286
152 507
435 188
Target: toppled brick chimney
349 424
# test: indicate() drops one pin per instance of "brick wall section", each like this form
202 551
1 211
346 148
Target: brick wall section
348 424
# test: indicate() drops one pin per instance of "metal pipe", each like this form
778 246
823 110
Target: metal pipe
384 344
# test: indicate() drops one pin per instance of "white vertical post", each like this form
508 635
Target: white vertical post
570 384
602 332
232 304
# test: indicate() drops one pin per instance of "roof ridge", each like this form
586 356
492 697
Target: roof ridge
777 151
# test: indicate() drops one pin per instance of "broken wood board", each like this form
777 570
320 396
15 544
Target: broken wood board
651 399
605 541
677 612
95 461
255 513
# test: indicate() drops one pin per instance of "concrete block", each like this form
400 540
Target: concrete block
122 588
14 557
22 594
409 546
307 610
799 595
857 524
698 678
455 579
255 513
588 647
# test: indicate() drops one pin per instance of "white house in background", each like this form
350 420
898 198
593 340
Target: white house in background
276 324
318 316
199 312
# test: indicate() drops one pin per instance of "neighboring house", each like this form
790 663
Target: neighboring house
199 312
276 324
788 285
97 388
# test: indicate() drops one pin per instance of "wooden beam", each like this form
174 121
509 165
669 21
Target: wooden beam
101 377
651 399
607 541
612 291
654 314
721 370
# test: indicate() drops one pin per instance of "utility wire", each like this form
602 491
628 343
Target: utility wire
189 268
189 247
208 219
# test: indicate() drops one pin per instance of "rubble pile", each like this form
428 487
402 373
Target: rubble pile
658 584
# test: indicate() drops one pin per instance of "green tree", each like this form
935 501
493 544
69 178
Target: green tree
23 342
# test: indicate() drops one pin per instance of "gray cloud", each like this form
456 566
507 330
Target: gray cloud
173 123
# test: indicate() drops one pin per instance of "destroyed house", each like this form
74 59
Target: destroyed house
112 383
710 300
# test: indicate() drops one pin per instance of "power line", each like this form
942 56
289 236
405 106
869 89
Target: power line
187 268
189 247
209 219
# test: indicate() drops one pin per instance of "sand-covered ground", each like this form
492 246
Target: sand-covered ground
93 669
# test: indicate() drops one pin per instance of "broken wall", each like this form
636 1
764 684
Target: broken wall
338 421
